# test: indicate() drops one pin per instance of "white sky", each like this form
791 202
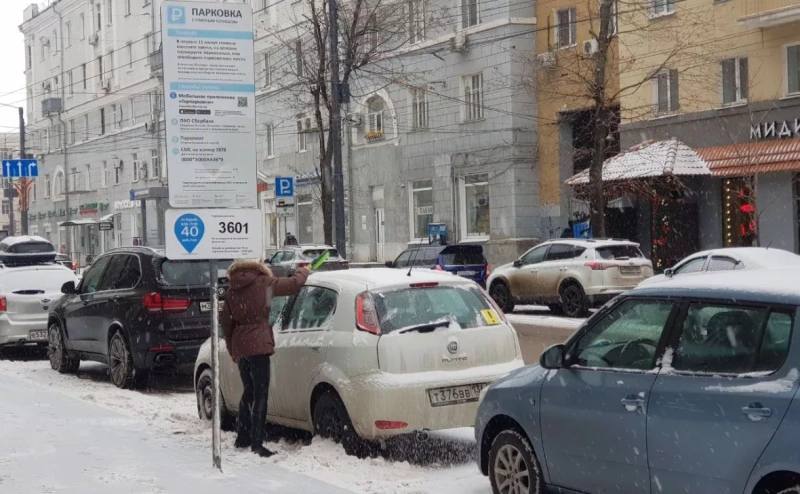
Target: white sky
12 60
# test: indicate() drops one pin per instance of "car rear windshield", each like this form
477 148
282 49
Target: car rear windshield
313 253
190 273
463 255
45 280
619 252
408 307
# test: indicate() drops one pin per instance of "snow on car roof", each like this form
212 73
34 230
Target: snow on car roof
21 239
759 285
600 242
385 277
761 256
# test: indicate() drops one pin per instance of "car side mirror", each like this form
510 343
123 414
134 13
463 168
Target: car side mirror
518 263
389 264
68 288
553 358
669 272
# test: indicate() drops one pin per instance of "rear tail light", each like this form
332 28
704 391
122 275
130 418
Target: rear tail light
3 304
597 265
390 424
366 315
154 302
488 269
165 347
438 267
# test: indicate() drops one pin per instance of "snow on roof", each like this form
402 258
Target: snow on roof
384 277
590 242
768 285
756 256
661 158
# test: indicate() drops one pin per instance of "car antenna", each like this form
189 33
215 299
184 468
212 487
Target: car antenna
412 258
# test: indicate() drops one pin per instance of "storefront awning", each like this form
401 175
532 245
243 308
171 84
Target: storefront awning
79 222
749 158
649 160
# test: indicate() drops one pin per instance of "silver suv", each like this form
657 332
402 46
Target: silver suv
569 275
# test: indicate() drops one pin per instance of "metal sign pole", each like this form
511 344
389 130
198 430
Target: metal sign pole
216 446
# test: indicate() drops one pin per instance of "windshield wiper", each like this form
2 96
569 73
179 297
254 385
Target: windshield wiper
427 327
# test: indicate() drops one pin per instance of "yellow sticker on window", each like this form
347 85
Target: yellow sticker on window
490 316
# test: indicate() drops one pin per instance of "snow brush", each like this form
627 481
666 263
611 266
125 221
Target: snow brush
319 260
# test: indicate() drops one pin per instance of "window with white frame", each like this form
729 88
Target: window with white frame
47 186
303 131
416 21
136 167
475 205
305 219
267 69
83 74
68 34
98 18
155 164
28 55
270 140
119 168
104 175
419 108
58 183
55 42
70 83
421 208
793 69
83 25
86 127
5 206
734 80
71 134
376 109
109 12
666 91
127 7
470 15
132 110
89 178
298 57
129 54
473 96
566 28
662 7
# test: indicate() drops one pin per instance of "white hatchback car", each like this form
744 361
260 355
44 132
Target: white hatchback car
373 353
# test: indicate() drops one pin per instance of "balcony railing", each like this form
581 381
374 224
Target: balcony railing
769 13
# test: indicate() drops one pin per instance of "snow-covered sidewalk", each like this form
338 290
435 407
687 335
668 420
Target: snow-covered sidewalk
66 433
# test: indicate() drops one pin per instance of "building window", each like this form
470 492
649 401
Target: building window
373 34
102 121
86 127
298 58
155 163
5 206
666 88
70 82
83 25
739 218
416 21
104 175
129 50
734 80
419 109
267 70
469 13
136 168
566 35
270 140
89 179
99 18
305 219
662 7
132 110
47 186
28 56
473 97
71 135
55 42
475 205
303 130
127 7
58 184
118 170
421 208
68 34
83 75
109 12
375 118
793 68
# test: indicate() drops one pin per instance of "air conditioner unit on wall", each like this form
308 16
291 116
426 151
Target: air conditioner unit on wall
546 59
46 86
459 42
589 47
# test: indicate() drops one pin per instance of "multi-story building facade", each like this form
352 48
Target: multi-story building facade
93 110
441 129
724 78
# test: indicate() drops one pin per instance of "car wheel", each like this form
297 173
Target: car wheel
791 490
501 294
204 390
60 359
513 468
331 421
555 308
573 300
120 362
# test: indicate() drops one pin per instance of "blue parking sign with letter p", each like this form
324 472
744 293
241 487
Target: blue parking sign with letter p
284 186
176 15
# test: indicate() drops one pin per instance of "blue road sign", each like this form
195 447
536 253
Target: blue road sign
284 186
189 230
20 168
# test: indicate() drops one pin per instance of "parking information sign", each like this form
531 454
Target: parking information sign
209 89
214 233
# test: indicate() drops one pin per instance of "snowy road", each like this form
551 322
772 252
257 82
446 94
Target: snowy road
63 433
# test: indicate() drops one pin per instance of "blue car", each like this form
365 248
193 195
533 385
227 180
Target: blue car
465 260
686 386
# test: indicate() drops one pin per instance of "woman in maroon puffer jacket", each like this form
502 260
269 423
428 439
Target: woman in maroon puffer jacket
249 338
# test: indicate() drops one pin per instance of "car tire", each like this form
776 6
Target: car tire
60 359
501 294
555 309
795 489
204 391
513 467
120 362
331 421
573 300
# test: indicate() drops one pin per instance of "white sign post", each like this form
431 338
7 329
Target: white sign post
209 103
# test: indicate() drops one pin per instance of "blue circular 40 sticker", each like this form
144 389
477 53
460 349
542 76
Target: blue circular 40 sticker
189 230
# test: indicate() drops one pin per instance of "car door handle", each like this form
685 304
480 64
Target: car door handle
757 412
632 403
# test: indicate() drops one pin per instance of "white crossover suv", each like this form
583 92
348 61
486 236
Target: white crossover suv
365 354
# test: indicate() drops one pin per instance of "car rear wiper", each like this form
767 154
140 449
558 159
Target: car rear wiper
427 327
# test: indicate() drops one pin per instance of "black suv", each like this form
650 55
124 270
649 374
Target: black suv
466 260
134 310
